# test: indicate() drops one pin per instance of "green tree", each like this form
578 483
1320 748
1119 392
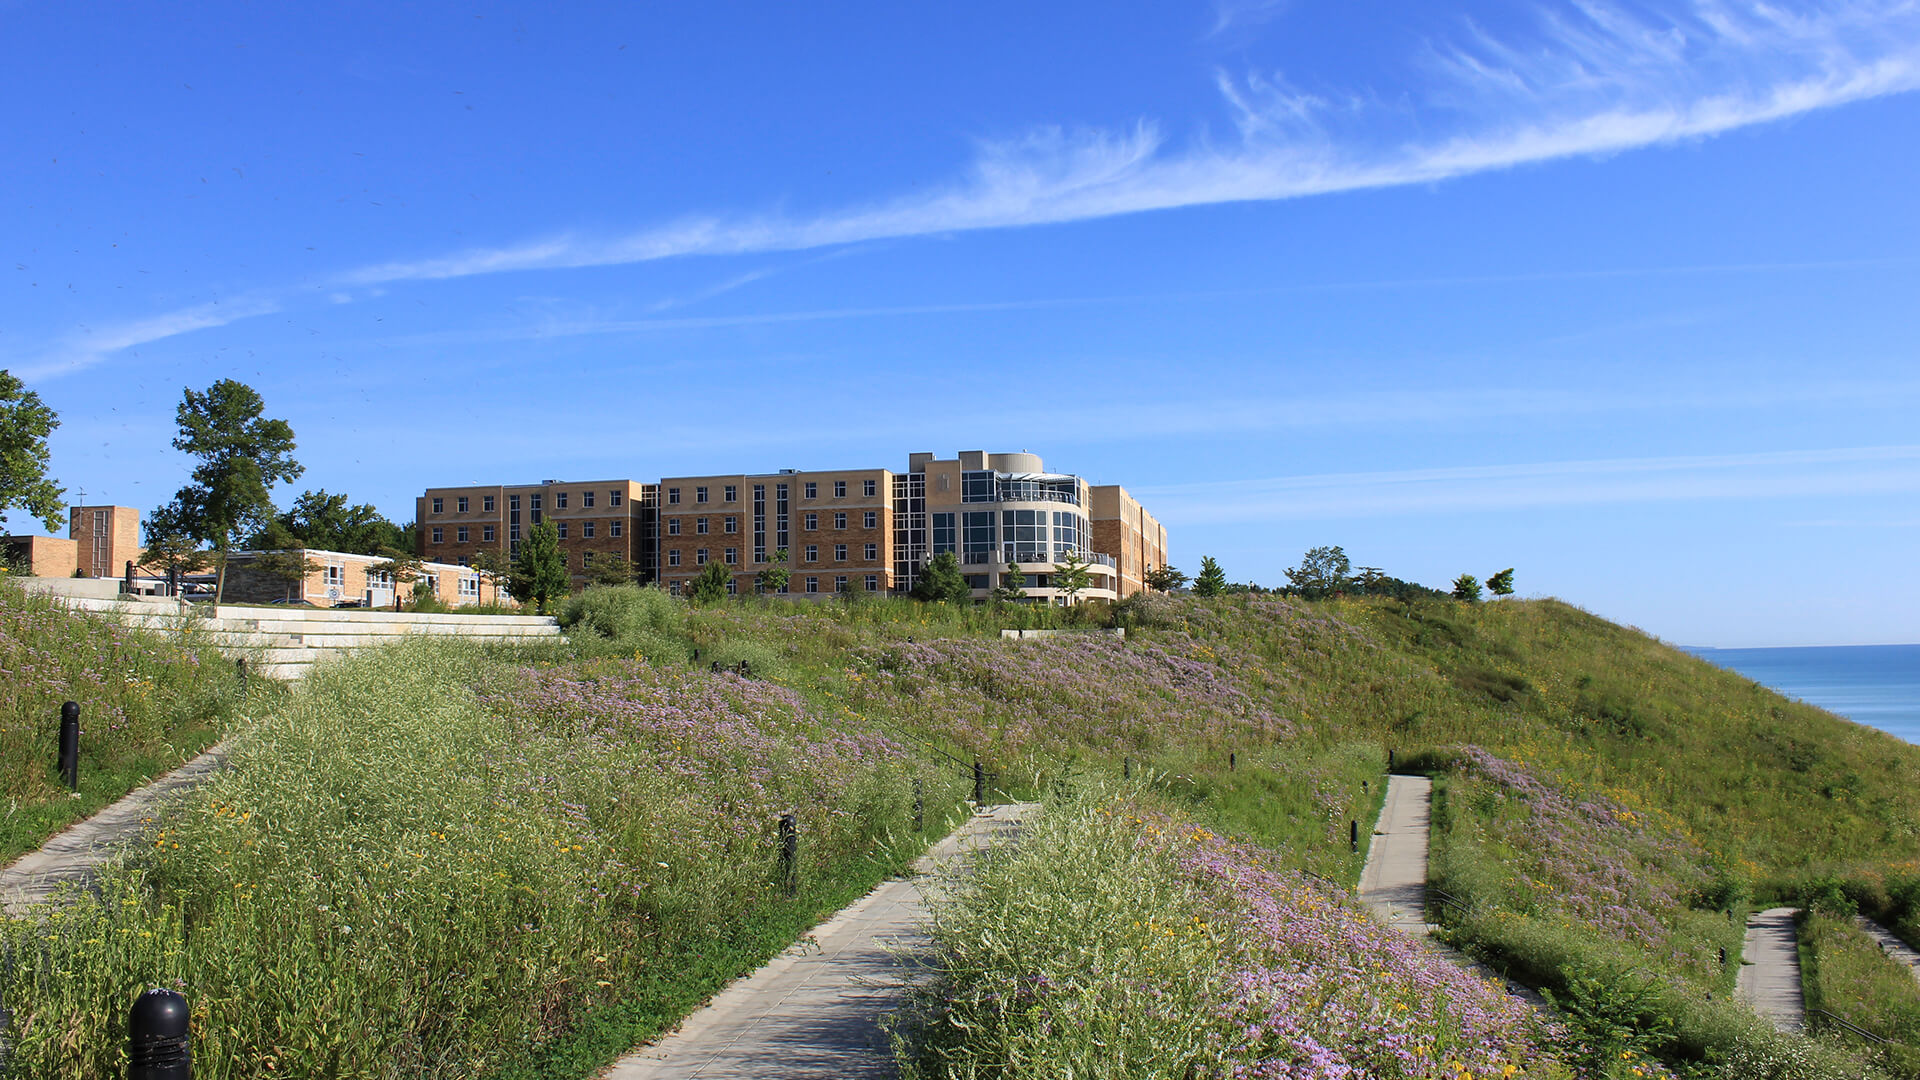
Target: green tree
330 523
493 566
402 568
1466 587
606 568
242 456
1165 579
774 577
941 581
1070 575
291 567
25 424
1013 584
1501 584
172 553
709 586
1212 580
540 569
1323 571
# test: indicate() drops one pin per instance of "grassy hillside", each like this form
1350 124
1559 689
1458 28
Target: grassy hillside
147 702
1609 807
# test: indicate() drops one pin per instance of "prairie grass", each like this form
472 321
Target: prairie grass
148 701
432 864
1847 975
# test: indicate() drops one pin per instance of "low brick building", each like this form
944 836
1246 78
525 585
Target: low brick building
100 541
339 578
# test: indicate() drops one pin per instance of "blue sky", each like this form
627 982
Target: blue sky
1620 294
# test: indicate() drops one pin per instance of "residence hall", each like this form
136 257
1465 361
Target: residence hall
869 529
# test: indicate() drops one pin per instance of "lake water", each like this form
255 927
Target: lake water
1875 685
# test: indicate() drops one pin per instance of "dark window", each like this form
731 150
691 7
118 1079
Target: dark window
460 534
700 526
586 499
673 496
673 557
839 489
812 522
559 500
700 557
733 524
872 552
976 487
733 493
813 584
486 503
839 553
813 490
613 498
840 521
486 533
460 504
944 533
438 534
614 527
436 505
870 488
586 529
673 526
813 552
733 555
870 520
700 494
873 580
561 528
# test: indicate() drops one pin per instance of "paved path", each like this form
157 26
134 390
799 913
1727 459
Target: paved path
75 853
1890 944
814 1010
1394 881
1769 978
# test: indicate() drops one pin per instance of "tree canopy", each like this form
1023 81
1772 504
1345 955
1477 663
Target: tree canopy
941 581
1070 575
1165 578
242 456
540 568
1466 587
1323 571
25 424
710 585
774 576
1501 584
1212 580
330 523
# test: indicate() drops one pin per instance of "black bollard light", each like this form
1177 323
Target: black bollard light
696 656
789 852
70 745
1389 760
128 587
716 667
1233 761
240 667
919 806
1365 788
158 1041
746 669
1723 956
1353 837
1126 768
979 786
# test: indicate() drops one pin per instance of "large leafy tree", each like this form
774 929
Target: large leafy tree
942 581
606 568
1165 578
1212 580
540 569
331 523
242 456
1070 575
25 424
1322 572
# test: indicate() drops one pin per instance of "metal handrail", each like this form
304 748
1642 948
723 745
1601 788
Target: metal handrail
1868 1035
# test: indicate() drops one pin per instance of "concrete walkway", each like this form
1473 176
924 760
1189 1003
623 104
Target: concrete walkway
814 1010
72 856
1890 944
1769 978
1394 882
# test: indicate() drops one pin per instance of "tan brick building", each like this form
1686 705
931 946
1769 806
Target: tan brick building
868 529
601 517
99 542
340 578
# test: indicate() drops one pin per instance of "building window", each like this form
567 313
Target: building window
813 584
614 527
977 581
733 588
437 504
560 529
733 493
700 526
840 520
839 489
813 490
673 526
813 553
559 500
869 490
813 522
586 529
335 577
870 520
486 503
460 504
513 531
486 533
673 557
469 587
673 496
733 524
840 584
945 533
460 534
839 553
732 556
613 498
872 552
700 557
674 589
700 494
873 580
586 500
439 534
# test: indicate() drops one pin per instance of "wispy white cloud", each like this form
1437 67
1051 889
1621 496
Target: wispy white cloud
1591 78
90 346
1874 470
